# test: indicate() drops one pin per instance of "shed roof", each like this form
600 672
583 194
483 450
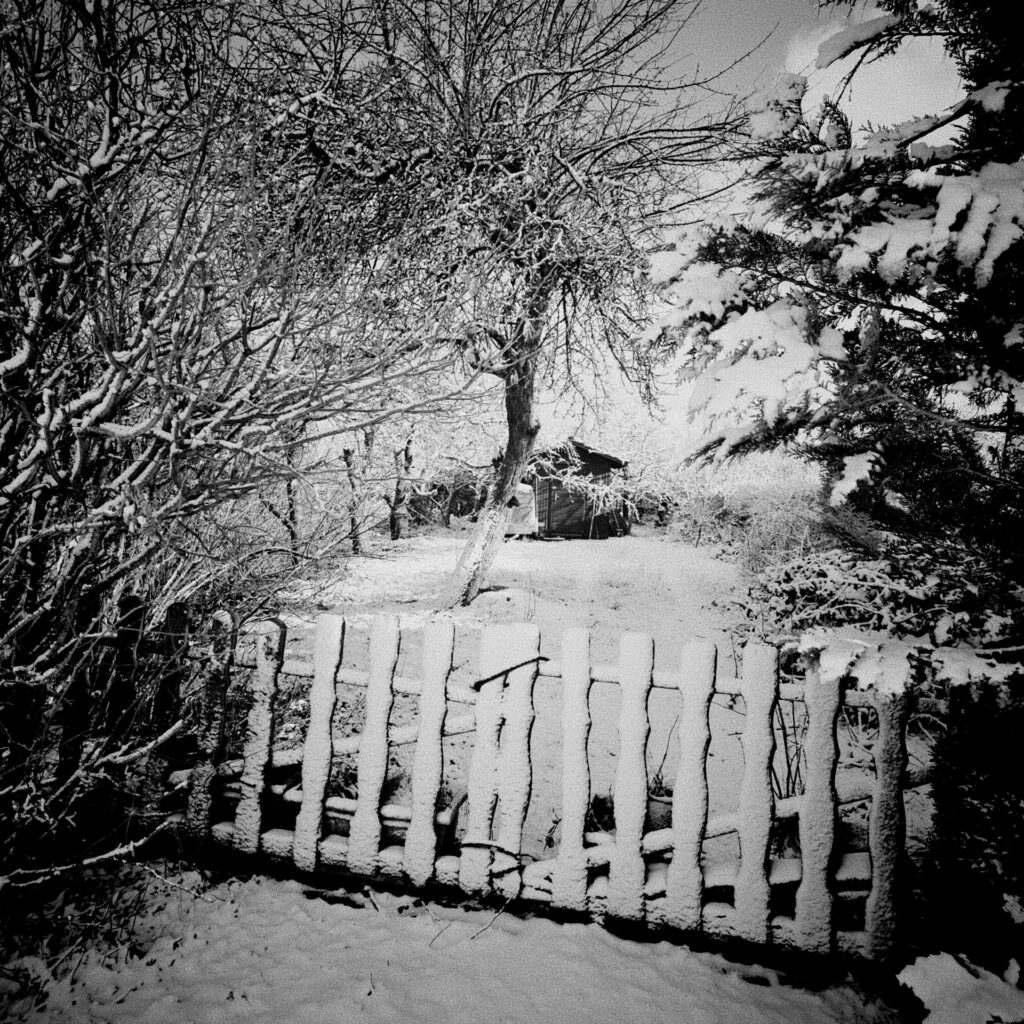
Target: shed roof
584 449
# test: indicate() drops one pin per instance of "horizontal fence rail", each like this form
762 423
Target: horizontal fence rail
472 837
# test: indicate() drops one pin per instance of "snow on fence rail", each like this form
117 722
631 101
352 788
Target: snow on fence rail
660 876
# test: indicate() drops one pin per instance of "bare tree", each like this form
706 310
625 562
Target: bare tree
558 137
170 337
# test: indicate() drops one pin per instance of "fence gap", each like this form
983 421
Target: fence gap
627 871
421 837
569 877
318 751
685 879
364 835
757 801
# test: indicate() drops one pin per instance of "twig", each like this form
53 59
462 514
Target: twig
119 757
182 888
501 910
33 876
439 934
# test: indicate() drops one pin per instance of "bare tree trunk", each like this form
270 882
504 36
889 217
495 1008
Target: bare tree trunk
523 427
403 486
449 504
355 487
355 461
292 524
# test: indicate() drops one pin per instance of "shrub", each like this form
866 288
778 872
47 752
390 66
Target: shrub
917 588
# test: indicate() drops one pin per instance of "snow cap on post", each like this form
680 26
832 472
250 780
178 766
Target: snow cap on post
328 649
757 800
421 836
364 836
569 878
627 871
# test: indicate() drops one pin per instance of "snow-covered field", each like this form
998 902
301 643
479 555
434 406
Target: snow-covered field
260 951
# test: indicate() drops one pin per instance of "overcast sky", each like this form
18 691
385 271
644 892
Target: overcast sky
920 80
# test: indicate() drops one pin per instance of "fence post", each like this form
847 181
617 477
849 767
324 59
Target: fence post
627 871
757 801
818 810
569 877
685 880
364 836
521 643
886 822
482 784
223 636
328 650
259 732
421 836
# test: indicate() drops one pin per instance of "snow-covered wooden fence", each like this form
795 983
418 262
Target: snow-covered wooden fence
659 876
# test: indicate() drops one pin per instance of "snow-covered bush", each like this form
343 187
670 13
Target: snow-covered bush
928 589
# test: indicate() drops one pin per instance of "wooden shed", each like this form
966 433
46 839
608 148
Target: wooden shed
566 511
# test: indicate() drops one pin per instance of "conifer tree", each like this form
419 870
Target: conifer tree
870 309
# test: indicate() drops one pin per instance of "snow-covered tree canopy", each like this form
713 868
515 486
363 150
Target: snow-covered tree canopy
870 306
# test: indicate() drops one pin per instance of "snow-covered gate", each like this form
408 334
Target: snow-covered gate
655 876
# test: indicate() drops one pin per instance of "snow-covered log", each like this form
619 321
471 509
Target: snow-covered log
259 732
685 881
364 837
328 649
569 879
627 871
421 837
521 644
818 812
756 803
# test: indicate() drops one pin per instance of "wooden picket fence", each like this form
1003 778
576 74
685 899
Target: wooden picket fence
659 876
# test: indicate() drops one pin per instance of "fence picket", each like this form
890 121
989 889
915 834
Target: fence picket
364 836
224 630
521 644
259 730
328 650
421 837
482 783
817 820
757 801
626 869
886 821
685 880
569 878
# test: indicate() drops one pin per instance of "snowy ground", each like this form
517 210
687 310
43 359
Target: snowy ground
260 951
